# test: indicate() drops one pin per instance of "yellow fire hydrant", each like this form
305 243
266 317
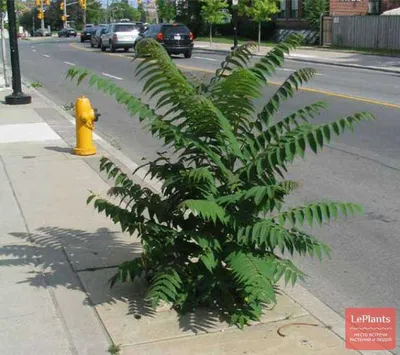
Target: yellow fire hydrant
85 117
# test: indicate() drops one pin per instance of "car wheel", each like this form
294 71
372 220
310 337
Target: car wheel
91 44
82 40
188 54
112 47
103 49
126 49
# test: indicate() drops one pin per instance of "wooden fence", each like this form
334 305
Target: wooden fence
362 31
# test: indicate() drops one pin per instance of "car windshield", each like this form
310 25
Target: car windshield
171 30
126 28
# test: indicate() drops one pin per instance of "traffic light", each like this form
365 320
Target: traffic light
40 14
38 3
62 5
63 18
82 4
46 2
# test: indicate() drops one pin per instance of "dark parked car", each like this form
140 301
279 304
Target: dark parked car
39 33
95 39
87 32
176 38
67 32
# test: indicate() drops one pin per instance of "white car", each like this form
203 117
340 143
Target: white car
120 35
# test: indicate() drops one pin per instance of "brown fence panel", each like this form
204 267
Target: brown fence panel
366 31
327 31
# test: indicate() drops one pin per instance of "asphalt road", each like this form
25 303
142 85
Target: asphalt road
363 167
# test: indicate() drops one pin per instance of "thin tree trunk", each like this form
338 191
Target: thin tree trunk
210 35
3 50
259 35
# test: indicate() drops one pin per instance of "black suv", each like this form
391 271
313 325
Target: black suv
176 38
87 32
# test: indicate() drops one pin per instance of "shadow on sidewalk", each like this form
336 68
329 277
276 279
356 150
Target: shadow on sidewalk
59 255
60 149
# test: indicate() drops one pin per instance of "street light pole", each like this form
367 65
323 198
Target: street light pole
235 4
65 14
17 97
42 19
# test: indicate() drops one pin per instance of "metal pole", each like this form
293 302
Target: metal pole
65 14
3 49
235 15
321 29
17 97
84 17
42 20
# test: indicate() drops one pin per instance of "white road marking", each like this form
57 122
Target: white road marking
46 55
112 76
29 132
210 59
34 50
69 63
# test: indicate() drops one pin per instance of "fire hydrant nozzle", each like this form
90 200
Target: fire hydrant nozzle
85 117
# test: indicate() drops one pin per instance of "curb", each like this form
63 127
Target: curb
306 60
299 294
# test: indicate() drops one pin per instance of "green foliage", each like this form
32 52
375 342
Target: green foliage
3 6
258 10
313 10
120 10
114 349
166 10
213 12
218 234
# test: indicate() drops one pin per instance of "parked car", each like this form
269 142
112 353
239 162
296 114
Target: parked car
67 32
176 38
120 35
95 39
40 33
87 32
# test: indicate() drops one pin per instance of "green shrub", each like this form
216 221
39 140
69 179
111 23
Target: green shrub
213 236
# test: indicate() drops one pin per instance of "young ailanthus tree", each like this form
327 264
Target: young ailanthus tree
219 233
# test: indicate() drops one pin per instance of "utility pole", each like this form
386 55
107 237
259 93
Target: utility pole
42 19
65 13
84 17
3 46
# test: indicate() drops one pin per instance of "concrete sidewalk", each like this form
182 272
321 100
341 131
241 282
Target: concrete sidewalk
57 254
324 56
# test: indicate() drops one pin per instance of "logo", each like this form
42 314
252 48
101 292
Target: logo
370 328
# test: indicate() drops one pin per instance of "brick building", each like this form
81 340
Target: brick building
361 7
291 14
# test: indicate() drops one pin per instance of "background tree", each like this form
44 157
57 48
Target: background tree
213 13
94 13
258 10
313 9
166 10
119 10
189 13
140 8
